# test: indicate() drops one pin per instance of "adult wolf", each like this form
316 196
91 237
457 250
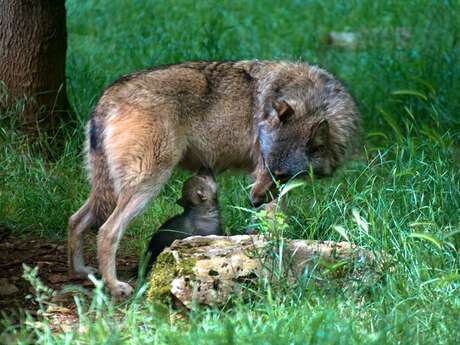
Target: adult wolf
268 117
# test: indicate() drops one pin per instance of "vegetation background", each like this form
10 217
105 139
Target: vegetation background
401 194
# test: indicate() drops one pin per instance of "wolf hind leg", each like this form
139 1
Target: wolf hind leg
131 202
79 222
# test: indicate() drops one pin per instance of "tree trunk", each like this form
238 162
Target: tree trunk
33 44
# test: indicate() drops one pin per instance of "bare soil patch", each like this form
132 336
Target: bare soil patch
51 258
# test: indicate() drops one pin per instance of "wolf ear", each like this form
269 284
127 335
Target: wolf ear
283 110
320 133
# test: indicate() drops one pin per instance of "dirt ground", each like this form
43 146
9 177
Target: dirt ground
51 259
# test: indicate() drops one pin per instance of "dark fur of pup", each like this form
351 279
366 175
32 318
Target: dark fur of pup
201 216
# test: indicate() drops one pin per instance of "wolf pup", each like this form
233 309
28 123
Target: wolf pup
201 216
272 118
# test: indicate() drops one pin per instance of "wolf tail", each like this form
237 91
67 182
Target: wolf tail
103 196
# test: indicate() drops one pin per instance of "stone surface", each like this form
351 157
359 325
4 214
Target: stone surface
346 40
210 270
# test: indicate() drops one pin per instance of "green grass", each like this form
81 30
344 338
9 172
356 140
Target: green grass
401 195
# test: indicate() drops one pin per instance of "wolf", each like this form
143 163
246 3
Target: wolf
272 118
201 216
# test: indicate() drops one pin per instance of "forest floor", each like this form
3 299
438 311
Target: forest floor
17 295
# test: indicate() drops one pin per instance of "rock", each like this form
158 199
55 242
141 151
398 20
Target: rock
381 36
6 288
346 40
208 270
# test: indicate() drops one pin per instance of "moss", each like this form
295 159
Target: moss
161 276
186 267
163 273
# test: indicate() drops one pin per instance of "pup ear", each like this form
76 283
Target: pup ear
283 110
320 133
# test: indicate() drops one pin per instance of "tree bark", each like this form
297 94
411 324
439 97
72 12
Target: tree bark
33 44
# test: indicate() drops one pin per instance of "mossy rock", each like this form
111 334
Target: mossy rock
211 270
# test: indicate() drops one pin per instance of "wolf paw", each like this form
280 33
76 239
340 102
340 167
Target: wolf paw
121 289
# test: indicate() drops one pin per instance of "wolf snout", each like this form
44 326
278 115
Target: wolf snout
262 193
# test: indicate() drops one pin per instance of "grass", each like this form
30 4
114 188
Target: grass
401 195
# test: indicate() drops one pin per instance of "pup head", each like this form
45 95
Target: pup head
199 190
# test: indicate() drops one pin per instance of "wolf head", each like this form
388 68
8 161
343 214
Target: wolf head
306 123
199 190
292 146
